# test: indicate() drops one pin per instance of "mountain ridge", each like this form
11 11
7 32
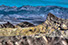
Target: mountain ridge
36 13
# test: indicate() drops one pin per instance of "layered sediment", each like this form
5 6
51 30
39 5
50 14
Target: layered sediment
30 35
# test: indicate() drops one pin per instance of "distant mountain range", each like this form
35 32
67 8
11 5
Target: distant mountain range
33 14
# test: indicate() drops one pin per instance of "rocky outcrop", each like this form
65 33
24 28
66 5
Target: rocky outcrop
61 23
7 25
58 26
25 24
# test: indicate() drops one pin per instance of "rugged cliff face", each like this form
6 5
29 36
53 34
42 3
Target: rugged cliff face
54 31
60 26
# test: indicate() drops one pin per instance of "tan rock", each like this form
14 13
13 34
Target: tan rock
63 26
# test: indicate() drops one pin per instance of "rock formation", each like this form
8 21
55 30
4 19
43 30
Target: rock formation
7 25
63 23
54 31
25 24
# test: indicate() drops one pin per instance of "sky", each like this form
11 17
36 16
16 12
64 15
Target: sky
19 3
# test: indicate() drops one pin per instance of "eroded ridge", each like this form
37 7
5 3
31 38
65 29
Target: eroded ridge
53 26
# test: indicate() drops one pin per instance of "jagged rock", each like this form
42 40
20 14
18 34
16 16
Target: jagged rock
56 27
25 24
53 18
7 25
29 40
61 23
